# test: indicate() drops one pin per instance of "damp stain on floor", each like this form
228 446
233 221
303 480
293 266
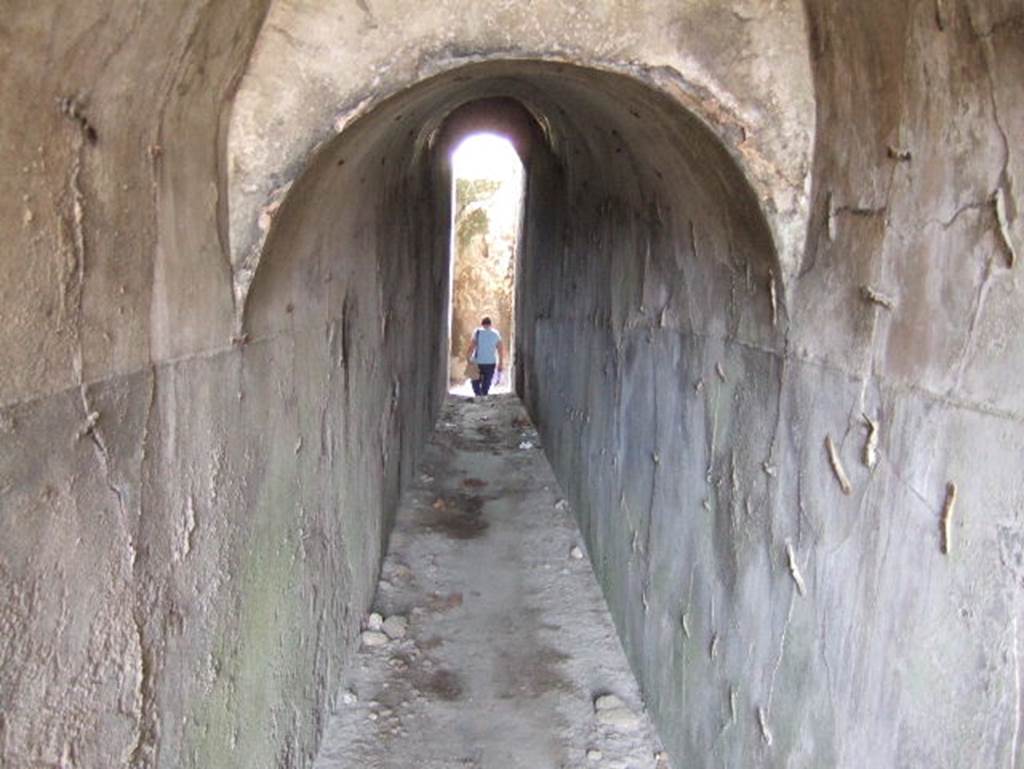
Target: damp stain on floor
501 643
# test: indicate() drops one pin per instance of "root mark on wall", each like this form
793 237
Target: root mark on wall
837 466
948 508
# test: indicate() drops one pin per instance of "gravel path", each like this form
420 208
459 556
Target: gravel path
491 646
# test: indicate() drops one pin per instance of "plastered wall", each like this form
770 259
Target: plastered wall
195 490
785 604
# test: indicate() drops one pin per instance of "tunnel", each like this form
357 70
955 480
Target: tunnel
767 327
646 299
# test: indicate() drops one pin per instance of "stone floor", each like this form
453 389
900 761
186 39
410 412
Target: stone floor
491 646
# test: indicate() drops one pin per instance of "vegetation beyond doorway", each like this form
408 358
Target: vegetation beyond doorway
487 192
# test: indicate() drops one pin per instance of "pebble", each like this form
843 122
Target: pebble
349 697
612 711
594 755
374 621
395 627
374 638
576 553
623 718
608 702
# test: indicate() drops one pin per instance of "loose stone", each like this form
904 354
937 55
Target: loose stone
374 638
395 627
608 702
612 711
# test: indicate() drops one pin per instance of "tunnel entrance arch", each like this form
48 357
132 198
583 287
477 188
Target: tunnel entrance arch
567 102
651 322
570 124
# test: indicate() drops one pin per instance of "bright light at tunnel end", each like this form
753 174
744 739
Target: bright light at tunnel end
485 156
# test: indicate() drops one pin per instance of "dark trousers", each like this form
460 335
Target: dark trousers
483 384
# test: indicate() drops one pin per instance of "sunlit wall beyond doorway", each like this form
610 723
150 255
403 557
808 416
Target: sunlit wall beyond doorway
487 205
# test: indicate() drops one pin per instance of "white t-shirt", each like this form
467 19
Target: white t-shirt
486 345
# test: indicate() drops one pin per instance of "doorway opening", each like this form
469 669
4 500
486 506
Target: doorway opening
487 198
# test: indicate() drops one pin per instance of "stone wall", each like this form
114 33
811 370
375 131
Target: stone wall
195 481
686 399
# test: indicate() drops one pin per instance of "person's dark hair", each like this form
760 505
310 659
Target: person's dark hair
485 322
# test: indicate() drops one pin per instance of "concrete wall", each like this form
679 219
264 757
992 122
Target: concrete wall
194 491
773 619
741 64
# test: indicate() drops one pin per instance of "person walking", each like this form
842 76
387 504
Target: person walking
486 352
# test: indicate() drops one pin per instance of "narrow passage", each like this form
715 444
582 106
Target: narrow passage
496 649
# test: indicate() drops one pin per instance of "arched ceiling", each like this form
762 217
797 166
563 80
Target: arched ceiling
741 67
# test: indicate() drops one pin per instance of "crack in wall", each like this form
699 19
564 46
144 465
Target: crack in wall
977 308
75 221
764 714
1005 185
